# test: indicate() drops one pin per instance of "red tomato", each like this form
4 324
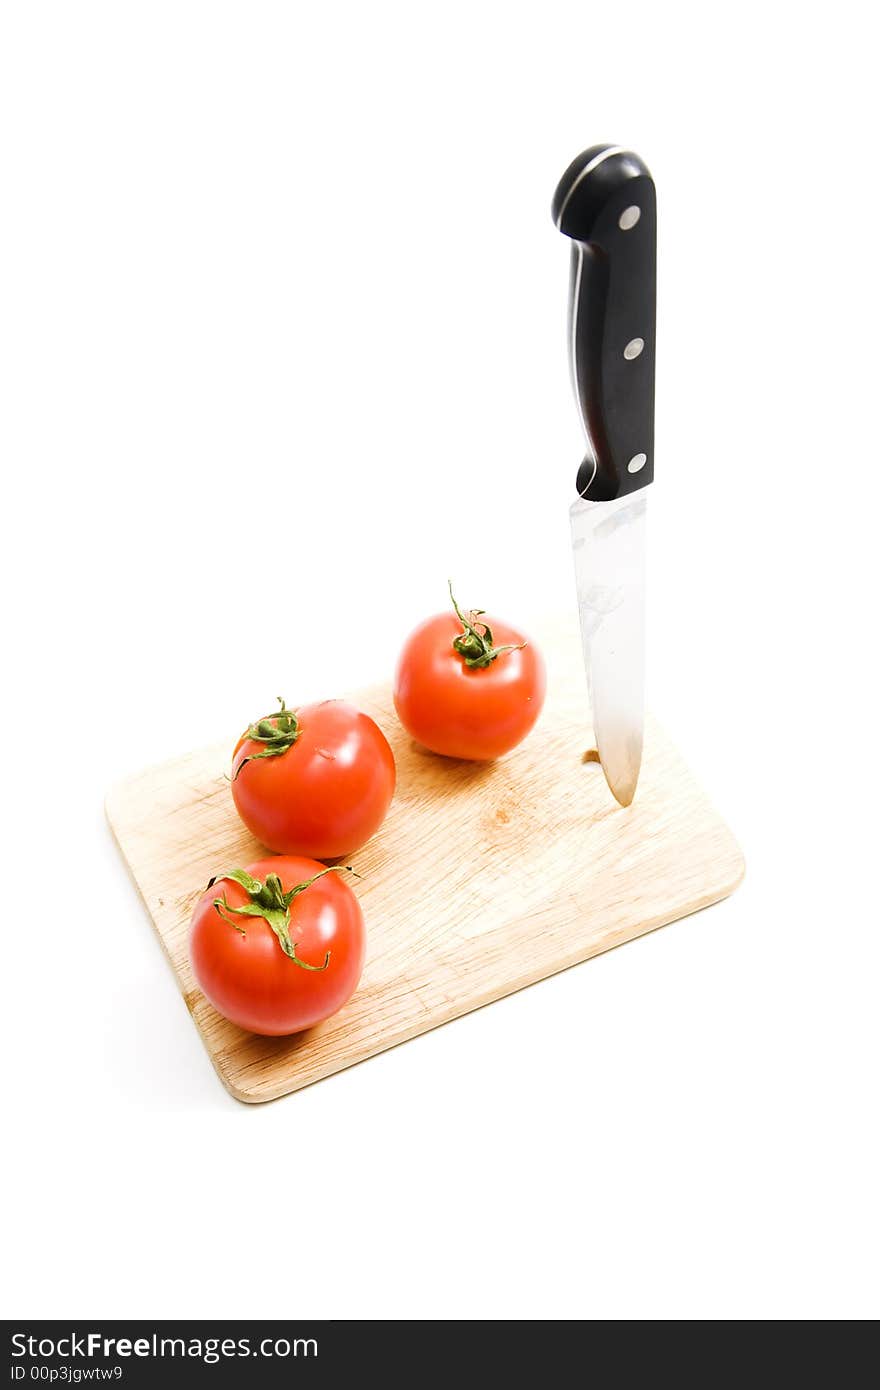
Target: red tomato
476 711
283 978
318 782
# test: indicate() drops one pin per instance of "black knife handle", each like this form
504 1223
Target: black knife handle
606 203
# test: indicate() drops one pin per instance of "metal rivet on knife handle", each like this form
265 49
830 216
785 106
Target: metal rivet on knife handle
637 463
633 348
628 218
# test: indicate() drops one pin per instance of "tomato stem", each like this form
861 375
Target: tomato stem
476 643
278 731
269 901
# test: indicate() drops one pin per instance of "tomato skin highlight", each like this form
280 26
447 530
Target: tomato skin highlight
327 794
477 714
250 980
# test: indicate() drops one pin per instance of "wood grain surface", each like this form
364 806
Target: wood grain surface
483 879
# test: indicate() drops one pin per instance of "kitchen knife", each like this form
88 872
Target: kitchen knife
606 204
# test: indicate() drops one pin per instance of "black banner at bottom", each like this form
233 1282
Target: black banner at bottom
137 1353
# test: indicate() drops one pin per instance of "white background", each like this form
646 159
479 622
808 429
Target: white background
283 347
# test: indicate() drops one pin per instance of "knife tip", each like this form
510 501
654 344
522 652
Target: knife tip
624 792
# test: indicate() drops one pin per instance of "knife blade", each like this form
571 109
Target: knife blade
606 204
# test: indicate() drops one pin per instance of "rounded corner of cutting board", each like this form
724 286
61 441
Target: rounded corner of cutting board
111 798
738 867
242 1094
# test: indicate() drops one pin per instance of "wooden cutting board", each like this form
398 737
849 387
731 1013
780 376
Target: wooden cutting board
483 879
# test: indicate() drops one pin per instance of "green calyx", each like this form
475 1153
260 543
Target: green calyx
277 731
269 901
476 643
